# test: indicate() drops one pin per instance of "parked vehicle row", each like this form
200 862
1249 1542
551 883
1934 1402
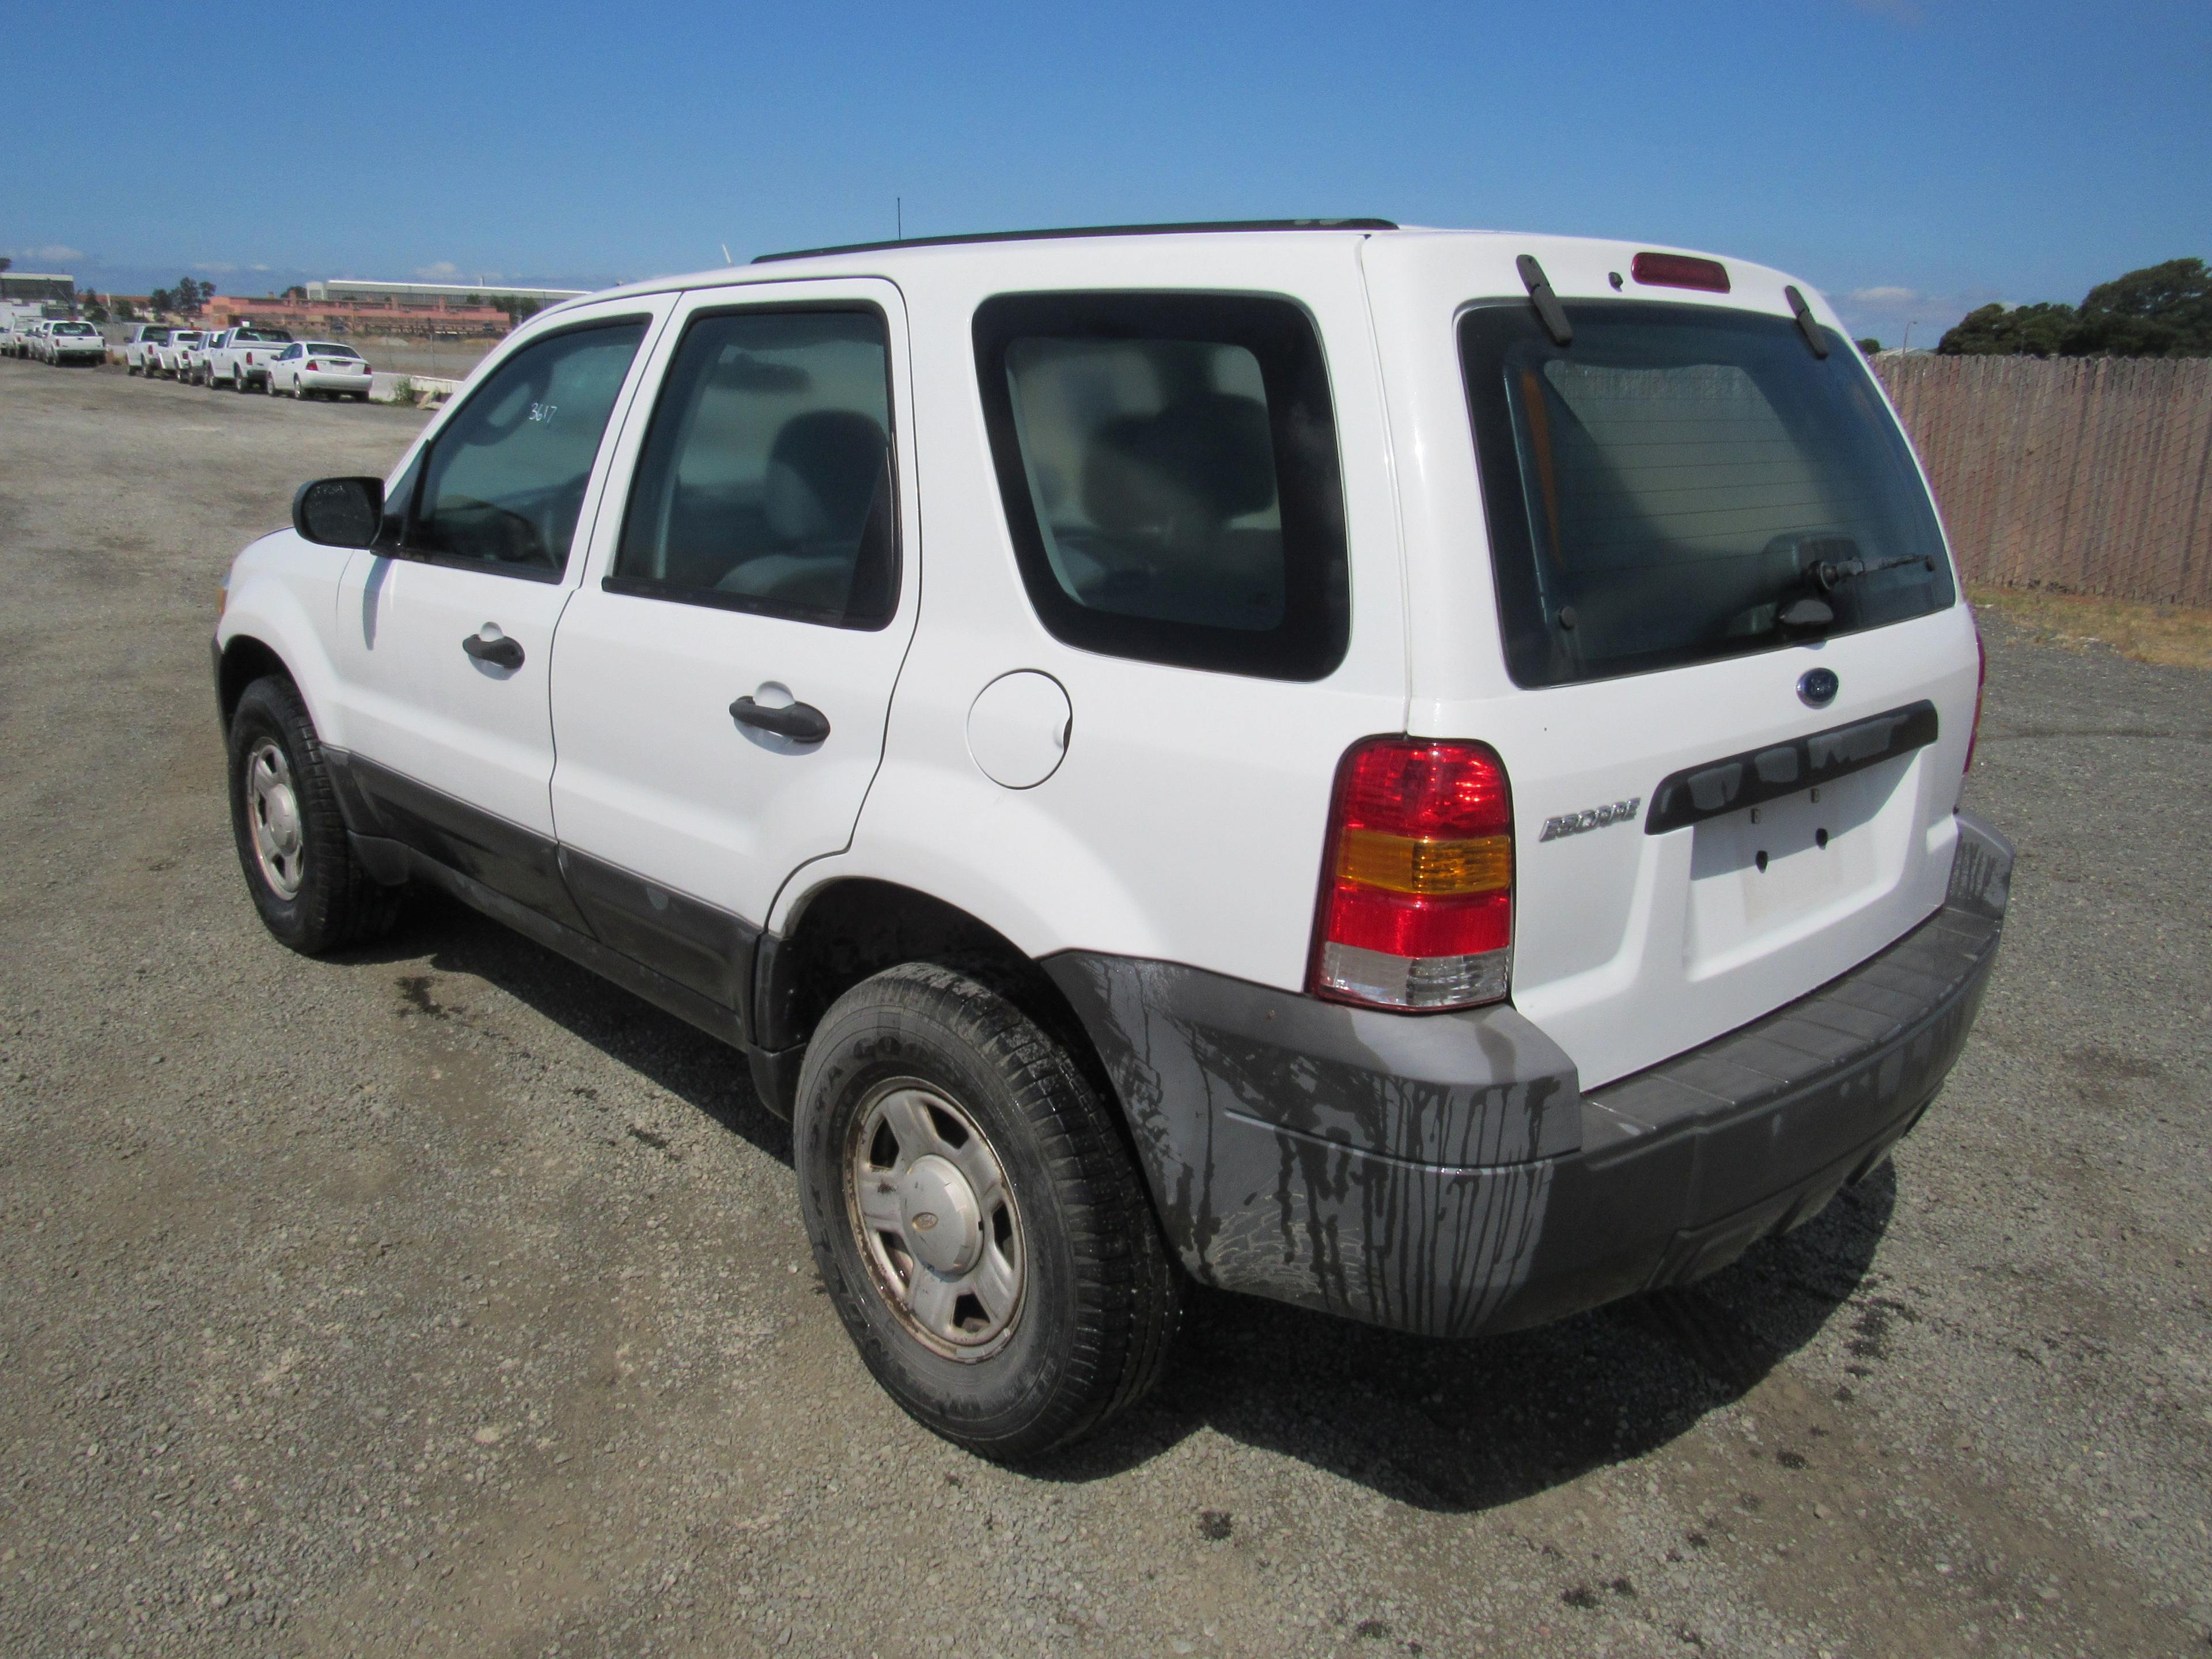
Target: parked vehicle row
246 358
57 341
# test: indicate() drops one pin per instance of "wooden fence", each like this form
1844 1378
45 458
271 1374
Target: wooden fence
2086 474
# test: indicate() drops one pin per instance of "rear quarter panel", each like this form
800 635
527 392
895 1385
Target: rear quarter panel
1186 821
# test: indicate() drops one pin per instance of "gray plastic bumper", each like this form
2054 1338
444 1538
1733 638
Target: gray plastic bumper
1445 1175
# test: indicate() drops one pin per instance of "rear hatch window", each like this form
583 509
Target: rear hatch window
1685 483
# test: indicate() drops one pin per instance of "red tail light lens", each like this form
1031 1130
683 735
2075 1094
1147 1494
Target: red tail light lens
1680 270
1417 895
314 367
1981 684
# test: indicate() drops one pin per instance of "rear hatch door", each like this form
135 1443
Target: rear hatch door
1715 635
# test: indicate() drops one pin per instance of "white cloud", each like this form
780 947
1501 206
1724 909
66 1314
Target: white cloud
216 267
444 271
1883 296
54 253
256 267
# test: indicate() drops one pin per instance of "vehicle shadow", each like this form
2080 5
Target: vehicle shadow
1454 1426
1467 1425
699 1070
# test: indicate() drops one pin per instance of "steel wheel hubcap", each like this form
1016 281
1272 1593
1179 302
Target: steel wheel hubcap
272 808
931 1208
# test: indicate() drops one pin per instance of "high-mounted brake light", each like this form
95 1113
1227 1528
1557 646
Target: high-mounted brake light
1417 892
1981 683
1680 270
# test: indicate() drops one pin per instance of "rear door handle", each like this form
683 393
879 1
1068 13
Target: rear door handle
802 722
499 653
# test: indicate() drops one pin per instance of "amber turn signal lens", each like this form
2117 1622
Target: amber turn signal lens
1434 868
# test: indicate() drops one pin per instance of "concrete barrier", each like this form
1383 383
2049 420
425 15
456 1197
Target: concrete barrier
428 390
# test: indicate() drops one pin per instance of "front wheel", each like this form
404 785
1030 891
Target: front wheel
311 891
976 1218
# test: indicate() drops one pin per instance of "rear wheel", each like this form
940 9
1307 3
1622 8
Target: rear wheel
311 892
976 1218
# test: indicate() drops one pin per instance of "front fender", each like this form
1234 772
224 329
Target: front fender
282 594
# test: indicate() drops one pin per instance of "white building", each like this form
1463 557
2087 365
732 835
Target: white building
356 291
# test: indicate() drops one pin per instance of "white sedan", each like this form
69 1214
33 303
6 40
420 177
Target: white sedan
312 368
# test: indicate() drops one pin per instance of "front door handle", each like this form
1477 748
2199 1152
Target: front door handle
500 652
802 722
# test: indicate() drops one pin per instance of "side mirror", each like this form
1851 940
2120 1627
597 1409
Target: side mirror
339 512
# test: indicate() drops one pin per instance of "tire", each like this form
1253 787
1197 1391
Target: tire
1045 1210
311 892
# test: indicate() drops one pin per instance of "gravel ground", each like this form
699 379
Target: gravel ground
443 1299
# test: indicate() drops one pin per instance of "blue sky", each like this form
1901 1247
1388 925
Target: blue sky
1911 157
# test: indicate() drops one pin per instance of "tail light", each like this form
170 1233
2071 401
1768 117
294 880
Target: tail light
1417 892
1981 682
314 367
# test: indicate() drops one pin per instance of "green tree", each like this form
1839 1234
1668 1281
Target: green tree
2160 311
7 263
2036 330
1869 345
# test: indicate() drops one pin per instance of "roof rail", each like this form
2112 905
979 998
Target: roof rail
1199 227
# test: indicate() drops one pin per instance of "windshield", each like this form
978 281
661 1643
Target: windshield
72 328
184 336
263 336
1682 482
322 348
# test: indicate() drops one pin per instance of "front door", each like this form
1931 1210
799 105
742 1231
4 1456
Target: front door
445 636
726 668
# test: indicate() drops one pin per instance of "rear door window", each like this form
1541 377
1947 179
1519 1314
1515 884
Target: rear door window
1168 464
1664 488
765 482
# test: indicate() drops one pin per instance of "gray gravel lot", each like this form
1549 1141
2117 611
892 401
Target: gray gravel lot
444 1300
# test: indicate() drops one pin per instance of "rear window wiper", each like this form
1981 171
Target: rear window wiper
1827 576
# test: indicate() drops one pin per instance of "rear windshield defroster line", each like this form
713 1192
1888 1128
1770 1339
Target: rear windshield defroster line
1718 788
1659 490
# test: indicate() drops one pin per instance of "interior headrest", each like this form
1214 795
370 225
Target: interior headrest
1209 458
822 475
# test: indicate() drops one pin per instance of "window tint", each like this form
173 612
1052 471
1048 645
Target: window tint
1660 490
1168 468
765 481
263 336
506 478
72 328
324 348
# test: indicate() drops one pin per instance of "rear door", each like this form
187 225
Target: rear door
1714 633
446 633
726 670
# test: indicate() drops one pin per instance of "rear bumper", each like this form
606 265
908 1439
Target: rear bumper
1446 1175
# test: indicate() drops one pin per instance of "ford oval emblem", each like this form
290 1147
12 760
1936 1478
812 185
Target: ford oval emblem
1819 686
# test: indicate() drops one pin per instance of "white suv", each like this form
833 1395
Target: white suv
1412 773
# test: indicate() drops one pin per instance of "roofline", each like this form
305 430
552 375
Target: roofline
1193 227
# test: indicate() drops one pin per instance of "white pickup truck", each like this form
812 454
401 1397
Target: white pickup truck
238 358
138 351
173 356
